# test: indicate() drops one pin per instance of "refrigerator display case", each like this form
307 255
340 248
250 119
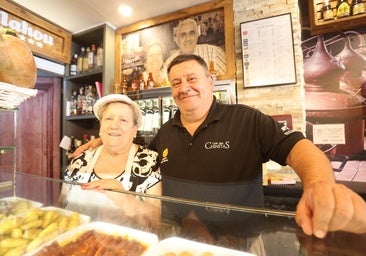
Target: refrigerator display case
235 230
157 106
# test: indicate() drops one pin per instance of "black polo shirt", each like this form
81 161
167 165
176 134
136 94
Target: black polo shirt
222 161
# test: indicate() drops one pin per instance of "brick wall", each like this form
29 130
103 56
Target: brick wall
273 100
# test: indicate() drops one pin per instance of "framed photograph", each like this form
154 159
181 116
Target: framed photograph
150 45
268 51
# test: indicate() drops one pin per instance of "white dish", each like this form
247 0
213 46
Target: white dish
17 199
148 239
178 245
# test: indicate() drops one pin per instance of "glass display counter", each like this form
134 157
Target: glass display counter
249 230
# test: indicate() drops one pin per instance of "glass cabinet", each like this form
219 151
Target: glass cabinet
222 229
8 121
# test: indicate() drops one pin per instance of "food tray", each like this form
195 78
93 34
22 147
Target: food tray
14 199
84 219
178 245
148 239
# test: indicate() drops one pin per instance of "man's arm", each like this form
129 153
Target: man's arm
92 144
325 205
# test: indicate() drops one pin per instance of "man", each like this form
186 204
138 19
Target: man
214 152
186 37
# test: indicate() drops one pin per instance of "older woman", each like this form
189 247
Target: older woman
117 165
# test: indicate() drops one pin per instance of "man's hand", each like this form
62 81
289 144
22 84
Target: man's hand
92 144
327 207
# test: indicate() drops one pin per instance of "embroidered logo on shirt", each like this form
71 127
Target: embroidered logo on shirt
217 145
164 155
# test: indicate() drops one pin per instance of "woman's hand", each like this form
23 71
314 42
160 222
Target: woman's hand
110 184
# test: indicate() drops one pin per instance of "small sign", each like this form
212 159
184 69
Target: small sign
43 37
329 134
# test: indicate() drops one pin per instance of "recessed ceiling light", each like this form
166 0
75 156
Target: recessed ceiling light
125 10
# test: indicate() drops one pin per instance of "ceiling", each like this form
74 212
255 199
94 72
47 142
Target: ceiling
78 15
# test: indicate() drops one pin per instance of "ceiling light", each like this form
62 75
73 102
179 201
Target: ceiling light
125 10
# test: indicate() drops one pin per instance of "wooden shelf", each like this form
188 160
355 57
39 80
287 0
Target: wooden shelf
319 26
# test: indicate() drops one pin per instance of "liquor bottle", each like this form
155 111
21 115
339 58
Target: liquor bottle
173 108
327 11
213 70
150 81
81 59
149 115
141 104
166 110
156 115
86 60
80 99
71 148
358 7
90 100
343 9
73 102
92 57
135 82
100 57
124 84
85 138
142 84
74 65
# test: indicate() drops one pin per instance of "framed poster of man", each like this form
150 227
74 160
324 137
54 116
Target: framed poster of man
149 46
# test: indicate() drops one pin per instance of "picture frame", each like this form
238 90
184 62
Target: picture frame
132 40
267 46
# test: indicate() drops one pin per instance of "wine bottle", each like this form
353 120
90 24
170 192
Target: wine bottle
74 65
358 7
81 59
343 9
327 11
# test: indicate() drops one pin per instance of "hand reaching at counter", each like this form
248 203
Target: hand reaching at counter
330 207
325 205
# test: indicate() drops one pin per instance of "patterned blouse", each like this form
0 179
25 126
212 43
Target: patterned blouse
143 175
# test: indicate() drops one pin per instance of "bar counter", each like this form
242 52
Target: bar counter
251 230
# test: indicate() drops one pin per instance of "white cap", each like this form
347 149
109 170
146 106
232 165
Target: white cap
117 98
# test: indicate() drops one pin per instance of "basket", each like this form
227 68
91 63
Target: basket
12 96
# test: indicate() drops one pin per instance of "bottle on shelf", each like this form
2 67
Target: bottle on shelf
92 57
358 7
135 82
327 11
71 148
166 110
80 101
74 65
86 60
213 70
90 99
141 104
150 81
173 108
156 115
343 9
85 138
142 84
124 84
73 102
100 57
149 116
81 59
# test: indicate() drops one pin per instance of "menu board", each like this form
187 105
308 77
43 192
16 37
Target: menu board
268 51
